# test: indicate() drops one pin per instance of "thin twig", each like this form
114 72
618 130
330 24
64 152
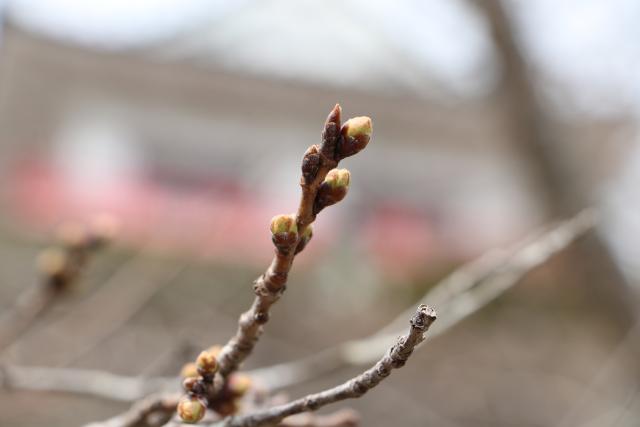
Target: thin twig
270 286
465 291
341 418
395 358
85 381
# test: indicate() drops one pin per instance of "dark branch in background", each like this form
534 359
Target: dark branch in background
395 358
59 267
535 134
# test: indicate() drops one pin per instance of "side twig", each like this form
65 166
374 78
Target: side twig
395 358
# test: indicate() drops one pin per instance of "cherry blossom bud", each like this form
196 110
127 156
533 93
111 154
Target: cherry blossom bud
206 363
333 189
356 134
191 409
284 230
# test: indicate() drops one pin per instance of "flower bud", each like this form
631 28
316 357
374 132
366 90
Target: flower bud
189 370
206 363
239 384
284 230
356 134
191 409
333 189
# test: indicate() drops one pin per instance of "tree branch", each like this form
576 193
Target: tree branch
395 358
341 418
317 163
465 291
85 381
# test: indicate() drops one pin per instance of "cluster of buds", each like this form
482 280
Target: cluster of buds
60 265
198 379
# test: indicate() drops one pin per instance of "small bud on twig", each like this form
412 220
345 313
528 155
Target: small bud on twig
191 409
206 363
284 230
333 189
189 370
356 133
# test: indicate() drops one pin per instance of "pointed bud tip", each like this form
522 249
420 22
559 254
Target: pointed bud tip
359 126
335 115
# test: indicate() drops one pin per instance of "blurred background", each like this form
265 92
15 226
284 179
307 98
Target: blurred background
187 120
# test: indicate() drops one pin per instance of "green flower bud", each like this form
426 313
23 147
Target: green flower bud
338 178
284 230
356 134
333 189
206 363
191 409
284 224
